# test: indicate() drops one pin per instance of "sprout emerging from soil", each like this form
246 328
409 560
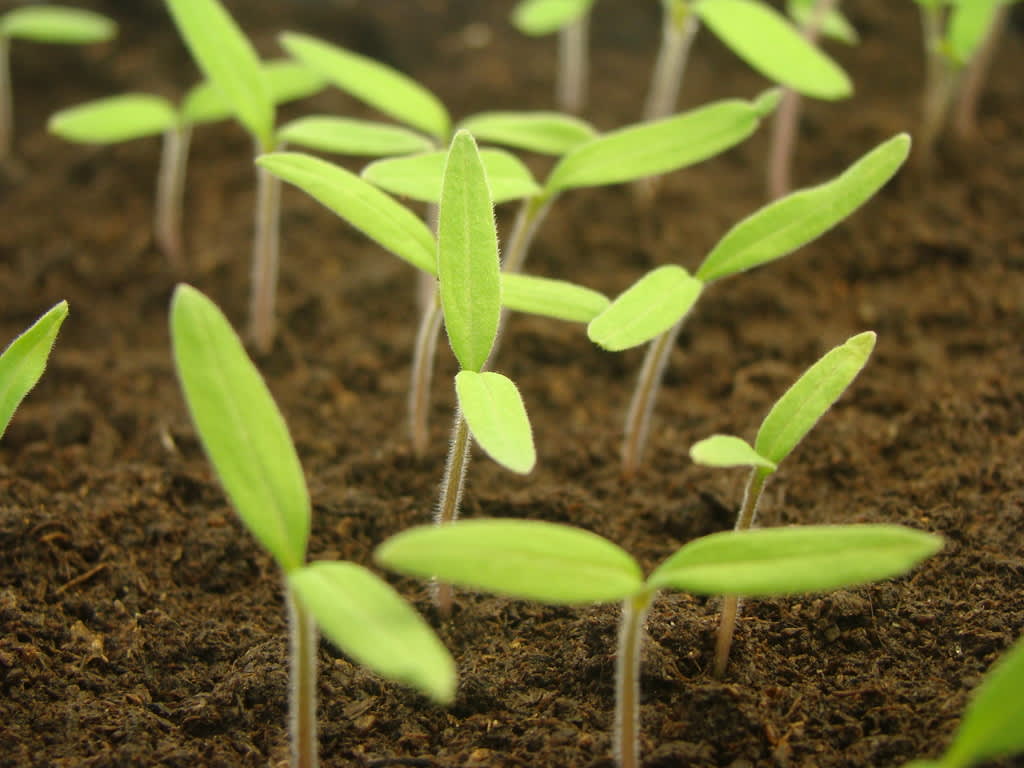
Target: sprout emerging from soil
570 19
562 565
42 24
788 421
247 441
24 360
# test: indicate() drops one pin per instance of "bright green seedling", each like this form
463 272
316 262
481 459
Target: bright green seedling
132 116
789 420
42 24
24 361
247 441
655 308
570 19
561 565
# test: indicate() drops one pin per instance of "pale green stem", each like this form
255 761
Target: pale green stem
6 101
265 261
451 497
940 83
531 214
966 114
426 283
571 88
627 679
170 194
423 372
302 649
731 604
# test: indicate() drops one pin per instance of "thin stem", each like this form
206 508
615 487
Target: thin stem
6 102
423 372
302 701
966 111
170 194
265 258
627 680
940 82
451 497
571 88
531 214
426 283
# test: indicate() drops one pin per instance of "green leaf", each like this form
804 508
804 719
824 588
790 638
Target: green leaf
372 212
559 299
370 622
649 149
494 411
646 309
287 80
467 256
547 133
990 727
728 451
240 427
23 362
419 177
969 23
795 220
376 84
57 24
229 62
762 37
772 562
347 136
527 559
798 410
835 25
114 119
544 17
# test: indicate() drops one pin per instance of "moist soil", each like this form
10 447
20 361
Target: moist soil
141 625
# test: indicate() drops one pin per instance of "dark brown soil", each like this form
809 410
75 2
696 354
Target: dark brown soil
142 626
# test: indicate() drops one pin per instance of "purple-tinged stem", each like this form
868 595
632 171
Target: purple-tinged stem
573 65
302 695
170 195
627 680
423 373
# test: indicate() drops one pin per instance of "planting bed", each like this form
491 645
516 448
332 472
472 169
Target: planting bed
139 624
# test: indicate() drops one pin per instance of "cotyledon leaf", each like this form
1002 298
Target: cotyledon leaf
23 362
548 133
57 24
728 451
543 17
350 136
494 412
551 298
114 119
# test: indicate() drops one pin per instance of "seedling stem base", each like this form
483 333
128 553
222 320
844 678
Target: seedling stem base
265 259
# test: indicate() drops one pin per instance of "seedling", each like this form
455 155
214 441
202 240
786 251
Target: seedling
24 360
984 20
562 565
792 417
42 24
247 441
570 19
655 307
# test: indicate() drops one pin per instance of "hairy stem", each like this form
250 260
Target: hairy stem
302 647
531 214
170 195
966 111
451 497
940 83
423 372
571 87
266 254
627 680
6 102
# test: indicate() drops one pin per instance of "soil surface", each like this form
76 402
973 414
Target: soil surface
141 625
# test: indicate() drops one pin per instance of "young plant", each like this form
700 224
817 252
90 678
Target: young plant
42 24
247 441
655 307
24 360
977 30
792 417
562 565
571 20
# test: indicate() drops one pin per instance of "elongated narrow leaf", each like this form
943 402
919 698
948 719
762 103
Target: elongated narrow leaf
771 562
649 307
798 410
348 136
494 411
787 224
287 81
57 24
653 148
835 25
543 17
377 84
991 724
969 23
548 133
370 622
528 559
559 299
240 427
728 451
419 176
115 119
467 256
229 62
375 214
23 362
762 37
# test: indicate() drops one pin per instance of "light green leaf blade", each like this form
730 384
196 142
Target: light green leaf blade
57 24
969 23
762 37
494 411
240 427
646 309
544 17
772 562
526 559
547 133
23 362
375 214
728 451
419 176
114 119
559 299
348 136
804 403
835 25
376 84
795 220
370 622
287 80
990 727
467 256
228 60
649 149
